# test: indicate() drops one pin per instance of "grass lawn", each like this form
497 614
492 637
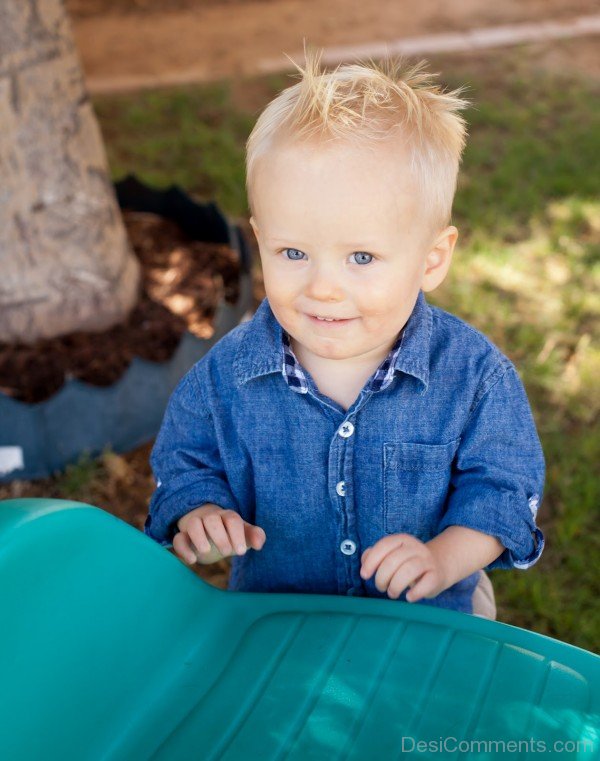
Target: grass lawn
526 272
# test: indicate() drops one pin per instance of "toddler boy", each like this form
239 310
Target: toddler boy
350 438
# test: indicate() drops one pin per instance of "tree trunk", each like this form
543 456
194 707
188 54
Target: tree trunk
65 260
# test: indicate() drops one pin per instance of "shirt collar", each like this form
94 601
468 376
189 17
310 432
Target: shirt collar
260 353
295 376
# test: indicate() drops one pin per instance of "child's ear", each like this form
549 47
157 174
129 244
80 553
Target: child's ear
439 258
254 227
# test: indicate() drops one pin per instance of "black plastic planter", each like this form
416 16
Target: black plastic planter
39 439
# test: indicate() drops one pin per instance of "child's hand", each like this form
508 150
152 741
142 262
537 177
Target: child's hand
210 533
401 561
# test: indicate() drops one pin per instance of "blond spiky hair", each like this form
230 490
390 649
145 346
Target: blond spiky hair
366 101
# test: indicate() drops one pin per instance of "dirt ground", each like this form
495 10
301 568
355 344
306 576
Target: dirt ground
210 39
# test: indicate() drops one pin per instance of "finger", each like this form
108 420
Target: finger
235 528
388 567
197 535
391 565
184 548
255 536
422 588
216 532
383 547
376 554
404 576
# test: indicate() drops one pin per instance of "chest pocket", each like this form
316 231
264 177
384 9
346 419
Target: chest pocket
416 478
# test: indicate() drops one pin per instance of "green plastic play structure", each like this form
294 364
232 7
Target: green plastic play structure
113 649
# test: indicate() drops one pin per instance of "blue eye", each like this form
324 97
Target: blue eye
363 253
293 258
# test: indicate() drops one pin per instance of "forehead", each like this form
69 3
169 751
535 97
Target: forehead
362 190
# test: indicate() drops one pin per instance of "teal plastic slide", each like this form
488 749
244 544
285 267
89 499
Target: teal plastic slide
113 649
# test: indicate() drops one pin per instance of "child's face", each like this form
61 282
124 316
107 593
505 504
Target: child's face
341 235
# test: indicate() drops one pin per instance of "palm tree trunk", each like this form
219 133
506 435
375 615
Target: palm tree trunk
65 261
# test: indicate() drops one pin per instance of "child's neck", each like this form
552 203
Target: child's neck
340 379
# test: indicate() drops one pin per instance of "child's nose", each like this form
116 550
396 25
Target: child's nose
325 284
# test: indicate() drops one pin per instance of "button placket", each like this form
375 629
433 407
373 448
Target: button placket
348 572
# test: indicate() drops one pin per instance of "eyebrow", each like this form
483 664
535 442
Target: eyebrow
346 245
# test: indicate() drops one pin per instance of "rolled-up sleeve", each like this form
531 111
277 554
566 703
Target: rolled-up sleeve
498 473
186 463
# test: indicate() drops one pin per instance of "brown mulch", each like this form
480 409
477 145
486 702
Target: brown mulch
183 282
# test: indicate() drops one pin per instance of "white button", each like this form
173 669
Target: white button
346 429
341 488
348 547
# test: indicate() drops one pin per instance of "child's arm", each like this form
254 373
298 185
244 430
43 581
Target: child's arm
428 568
498 476
461 551
489 517
186 463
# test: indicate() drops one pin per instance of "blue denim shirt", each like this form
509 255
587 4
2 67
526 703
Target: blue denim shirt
447 439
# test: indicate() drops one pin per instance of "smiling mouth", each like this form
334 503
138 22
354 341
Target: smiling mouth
330 320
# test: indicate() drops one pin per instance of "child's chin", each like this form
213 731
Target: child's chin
329 350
